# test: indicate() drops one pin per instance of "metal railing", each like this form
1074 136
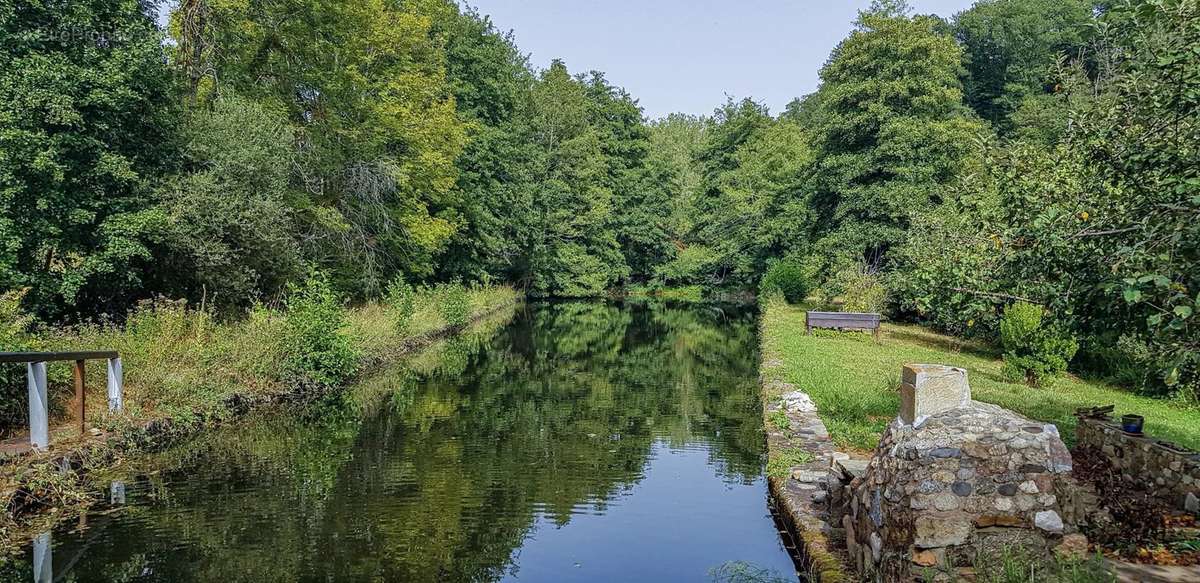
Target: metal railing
39 405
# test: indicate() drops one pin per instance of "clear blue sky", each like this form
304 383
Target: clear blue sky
685 55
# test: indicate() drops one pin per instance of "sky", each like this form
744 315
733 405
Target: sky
686 55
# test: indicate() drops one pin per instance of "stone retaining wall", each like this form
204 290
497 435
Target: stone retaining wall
802 494
1171 472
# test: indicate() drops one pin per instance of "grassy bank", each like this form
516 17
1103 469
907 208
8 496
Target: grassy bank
184 371
853 380
180 363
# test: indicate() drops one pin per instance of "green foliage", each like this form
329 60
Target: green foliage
891 133
14 337
744 572
454 304
1015 564
1034 351
319 352
232 237
780 466
376 172
779 419
1011 49
86 126
859 288
402 299
787 277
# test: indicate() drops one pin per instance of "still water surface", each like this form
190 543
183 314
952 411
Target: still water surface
580 441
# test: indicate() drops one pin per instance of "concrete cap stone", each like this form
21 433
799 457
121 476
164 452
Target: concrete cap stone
929 389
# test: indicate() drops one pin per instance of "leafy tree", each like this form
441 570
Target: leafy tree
364 84
645 204
1011 47
86 125
761 208
734 125
573 250
893 134
232 236
491 80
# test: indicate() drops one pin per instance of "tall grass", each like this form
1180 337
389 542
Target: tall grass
182 363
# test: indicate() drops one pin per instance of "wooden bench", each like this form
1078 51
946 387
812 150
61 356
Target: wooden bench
39 406
842 321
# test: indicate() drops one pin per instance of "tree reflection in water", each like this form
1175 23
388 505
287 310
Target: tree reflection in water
439 468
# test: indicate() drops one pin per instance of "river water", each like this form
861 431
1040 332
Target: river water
580 441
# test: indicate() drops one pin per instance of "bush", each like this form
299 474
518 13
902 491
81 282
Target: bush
401 298
786 277
1033 351
319 352
861 290
454 303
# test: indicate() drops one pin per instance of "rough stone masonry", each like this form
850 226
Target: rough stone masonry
953 478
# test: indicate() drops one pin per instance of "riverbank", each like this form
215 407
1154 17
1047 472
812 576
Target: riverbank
186 372
853 381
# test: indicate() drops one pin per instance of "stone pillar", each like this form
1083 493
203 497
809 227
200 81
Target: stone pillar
929 389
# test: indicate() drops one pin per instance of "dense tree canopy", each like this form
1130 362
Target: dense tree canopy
1032 150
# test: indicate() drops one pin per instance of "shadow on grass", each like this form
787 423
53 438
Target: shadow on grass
935 341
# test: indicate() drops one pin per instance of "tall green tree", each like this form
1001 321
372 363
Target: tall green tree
491 80
86 125
643 205
364 84
893 133
573 250
1011 49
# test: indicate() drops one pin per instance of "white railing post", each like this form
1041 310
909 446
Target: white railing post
43 571
39 413
115 384
116 491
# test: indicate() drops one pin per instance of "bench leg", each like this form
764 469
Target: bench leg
39 412
115 384
875 333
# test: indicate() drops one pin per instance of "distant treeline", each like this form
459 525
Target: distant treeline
1036 150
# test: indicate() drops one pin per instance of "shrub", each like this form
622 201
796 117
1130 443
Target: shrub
319 352
860 288
1033 351
454 303
786 277
401 298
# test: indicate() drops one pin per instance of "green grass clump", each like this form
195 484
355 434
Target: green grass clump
779 465
779 419
854 382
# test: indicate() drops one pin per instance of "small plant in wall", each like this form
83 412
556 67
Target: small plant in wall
1035 351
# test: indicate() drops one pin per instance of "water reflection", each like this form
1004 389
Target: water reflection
582 441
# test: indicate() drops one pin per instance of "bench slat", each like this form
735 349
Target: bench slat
19 357
843 321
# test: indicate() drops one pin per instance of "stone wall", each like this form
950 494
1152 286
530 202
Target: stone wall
801 495
953 478
1171 472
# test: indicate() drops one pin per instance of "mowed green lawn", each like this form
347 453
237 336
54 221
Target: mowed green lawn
853 380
